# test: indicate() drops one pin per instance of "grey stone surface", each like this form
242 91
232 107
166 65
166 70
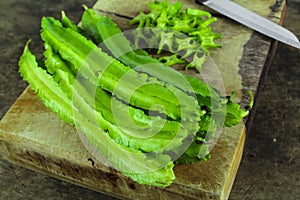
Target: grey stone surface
270 164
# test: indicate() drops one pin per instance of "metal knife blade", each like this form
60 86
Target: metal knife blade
252 20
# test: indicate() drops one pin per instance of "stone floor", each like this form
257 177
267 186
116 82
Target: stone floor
270 164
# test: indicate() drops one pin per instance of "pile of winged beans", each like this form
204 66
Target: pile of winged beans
143 119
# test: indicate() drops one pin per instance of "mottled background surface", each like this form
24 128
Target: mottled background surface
270 164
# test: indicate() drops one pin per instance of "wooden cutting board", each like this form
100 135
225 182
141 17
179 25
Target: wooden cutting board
33 137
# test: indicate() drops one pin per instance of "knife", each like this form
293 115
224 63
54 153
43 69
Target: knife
252 20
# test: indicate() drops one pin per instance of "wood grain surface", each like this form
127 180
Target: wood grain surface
34 137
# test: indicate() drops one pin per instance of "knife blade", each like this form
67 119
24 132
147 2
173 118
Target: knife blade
252 20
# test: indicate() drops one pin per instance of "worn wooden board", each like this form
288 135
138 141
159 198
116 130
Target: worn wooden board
34 137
